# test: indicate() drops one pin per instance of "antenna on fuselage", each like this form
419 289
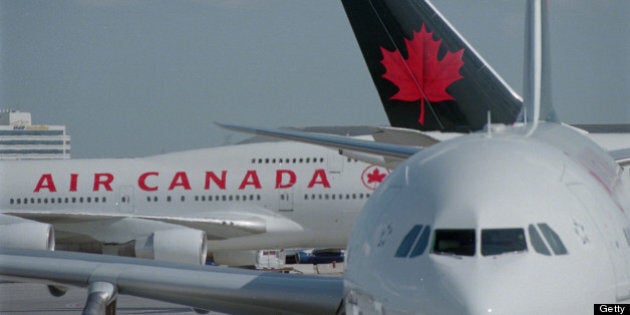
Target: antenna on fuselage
537 76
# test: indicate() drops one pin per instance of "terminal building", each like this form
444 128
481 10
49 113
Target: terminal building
21 140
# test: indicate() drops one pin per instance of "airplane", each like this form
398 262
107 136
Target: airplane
226 201
530 217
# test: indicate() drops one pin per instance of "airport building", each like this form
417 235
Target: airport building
20 139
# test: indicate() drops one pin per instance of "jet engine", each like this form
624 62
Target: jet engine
182 245
22 233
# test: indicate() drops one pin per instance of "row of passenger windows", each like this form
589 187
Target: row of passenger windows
70 200
292 160
59 200
210 198
287 160
462 242
334 196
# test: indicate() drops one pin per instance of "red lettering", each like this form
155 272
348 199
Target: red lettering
142 181
211 177
74 179
104 179
46 181
319 177
280 176
180 179
251 178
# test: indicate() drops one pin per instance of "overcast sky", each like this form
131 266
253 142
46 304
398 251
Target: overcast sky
135 78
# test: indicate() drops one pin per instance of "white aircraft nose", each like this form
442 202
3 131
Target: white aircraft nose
505 284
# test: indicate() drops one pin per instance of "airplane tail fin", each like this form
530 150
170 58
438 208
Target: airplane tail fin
428 77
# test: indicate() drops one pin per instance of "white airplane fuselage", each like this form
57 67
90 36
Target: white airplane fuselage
498 223
254 196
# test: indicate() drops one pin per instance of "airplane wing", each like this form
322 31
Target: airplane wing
621 156
216 224
234 291
181 237
404 136
387 150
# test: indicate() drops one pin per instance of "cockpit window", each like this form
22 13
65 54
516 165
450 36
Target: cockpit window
422 243
537 241
407 242
459 242
412 239
549 239
552 239
501 241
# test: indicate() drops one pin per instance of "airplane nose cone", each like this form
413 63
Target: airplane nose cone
507 284
471 286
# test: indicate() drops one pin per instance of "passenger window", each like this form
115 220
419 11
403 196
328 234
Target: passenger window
460 242
501 241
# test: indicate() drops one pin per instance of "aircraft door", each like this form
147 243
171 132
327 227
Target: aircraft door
285 203
335 162
125 199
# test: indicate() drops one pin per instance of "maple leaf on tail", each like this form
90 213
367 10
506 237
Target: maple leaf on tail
422 76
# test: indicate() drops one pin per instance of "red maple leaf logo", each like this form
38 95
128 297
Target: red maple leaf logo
376 176
422 76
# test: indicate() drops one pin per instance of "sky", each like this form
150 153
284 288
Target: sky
132 78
